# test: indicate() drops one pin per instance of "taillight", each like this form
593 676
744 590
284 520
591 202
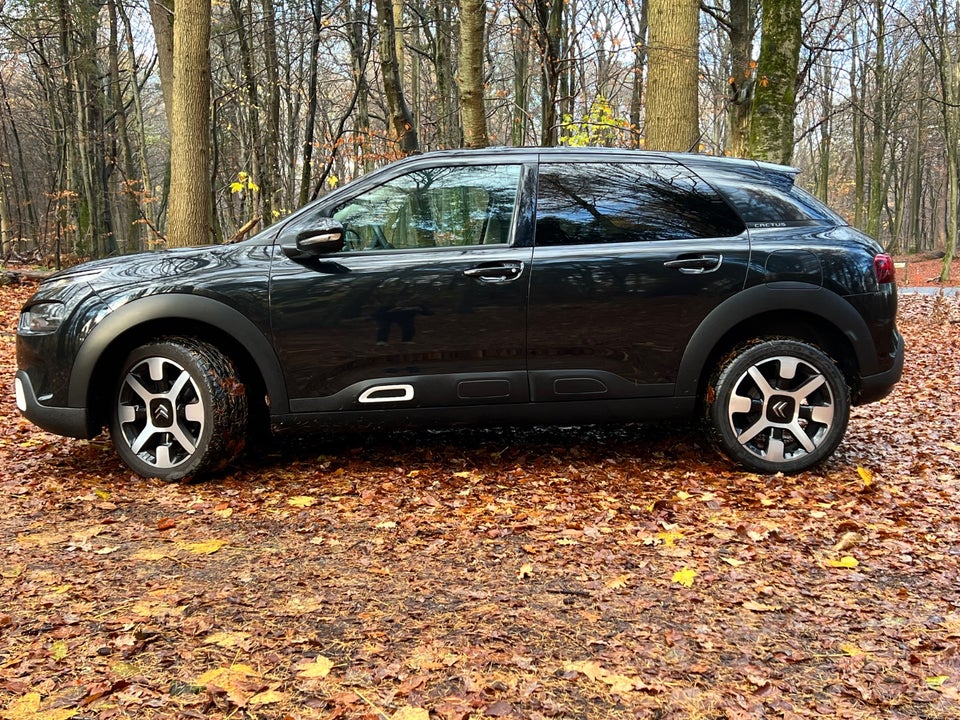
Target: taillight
883 267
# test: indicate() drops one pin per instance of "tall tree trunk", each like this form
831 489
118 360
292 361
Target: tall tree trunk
638 23
311 121
774 102
188 219
949 72
879 139
161 17
673 116
550 39
270 173
743 28
472 21
401 119
521 89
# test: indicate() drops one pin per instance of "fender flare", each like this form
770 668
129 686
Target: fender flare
789 297
178 307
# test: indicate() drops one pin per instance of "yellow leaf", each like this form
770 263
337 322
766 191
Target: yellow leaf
267 697
866 475
852 650
222 675
58 651
386 525
526 572
685 577
670 537
319 668
847 561
24 707
151 554
952 446
411 713
682 495
204 548
734 562
226 639
236 187
225 513
463 474
301 501
332 180
937 680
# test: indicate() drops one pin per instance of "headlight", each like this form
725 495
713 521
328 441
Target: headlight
42 318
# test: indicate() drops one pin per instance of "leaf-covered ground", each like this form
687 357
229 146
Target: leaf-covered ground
567 573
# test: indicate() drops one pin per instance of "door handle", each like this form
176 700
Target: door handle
695 264
496 271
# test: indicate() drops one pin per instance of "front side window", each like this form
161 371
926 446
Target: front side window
433 207
584 203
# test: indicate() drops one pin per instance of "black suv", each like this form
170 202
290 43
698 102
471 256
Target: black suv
497 286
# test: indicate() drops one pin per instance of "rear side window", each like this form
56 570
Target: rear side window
774 205
584 203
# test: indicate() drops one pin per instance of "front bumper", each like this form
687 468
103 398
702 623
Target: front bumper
71 422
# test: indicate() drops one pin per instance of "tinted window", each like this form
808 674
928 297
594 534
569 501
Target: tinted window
580 203
434 207
777 204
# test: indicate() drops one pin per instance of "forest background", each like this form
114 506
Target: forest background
133 125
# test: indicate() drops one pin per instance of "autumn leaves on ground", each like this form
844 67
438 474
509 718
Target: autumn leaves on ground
568 573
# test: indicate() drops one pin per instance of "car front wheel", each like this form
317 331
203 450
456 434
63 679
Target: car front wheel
778 406
179 409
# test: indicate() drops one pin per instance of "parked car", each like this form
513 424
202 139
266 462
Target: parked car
498 286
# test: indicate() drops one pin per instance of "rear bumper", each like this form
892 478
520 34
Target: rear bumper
876 387
71 422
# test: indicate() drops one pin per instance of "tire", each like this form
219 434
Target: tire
179 410
777 406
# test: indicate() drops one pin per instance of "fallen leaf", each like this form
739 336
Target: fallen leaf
866 475
760 607
847 561
320 667
525 572
620 581
301 501
207 547
411 713
685 576
267 697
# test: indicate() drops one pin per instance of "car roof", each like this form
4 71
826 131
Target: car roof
605 154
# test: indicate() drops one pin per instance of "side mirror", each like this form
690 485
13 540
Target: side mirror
325 236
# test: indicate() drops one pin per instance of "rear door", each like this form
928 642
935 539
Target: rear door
629 258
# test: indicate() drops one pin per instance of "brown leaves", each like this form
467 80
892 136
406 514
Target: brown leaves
522 573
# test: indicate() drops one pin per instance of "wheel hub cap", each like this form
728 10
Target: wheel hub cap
781 408
160 413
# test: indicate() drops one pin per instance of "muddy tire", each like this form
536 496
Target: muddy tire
179 410
777 406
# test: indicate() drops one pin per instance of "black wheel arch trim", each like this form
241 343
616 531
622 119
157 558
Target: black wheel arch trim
192 308
761 299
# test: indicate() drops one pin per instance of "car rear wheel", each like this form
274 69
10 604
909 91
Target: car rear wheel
179 409
777 406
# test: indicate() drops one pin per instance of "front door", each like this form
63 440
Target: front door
425 305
